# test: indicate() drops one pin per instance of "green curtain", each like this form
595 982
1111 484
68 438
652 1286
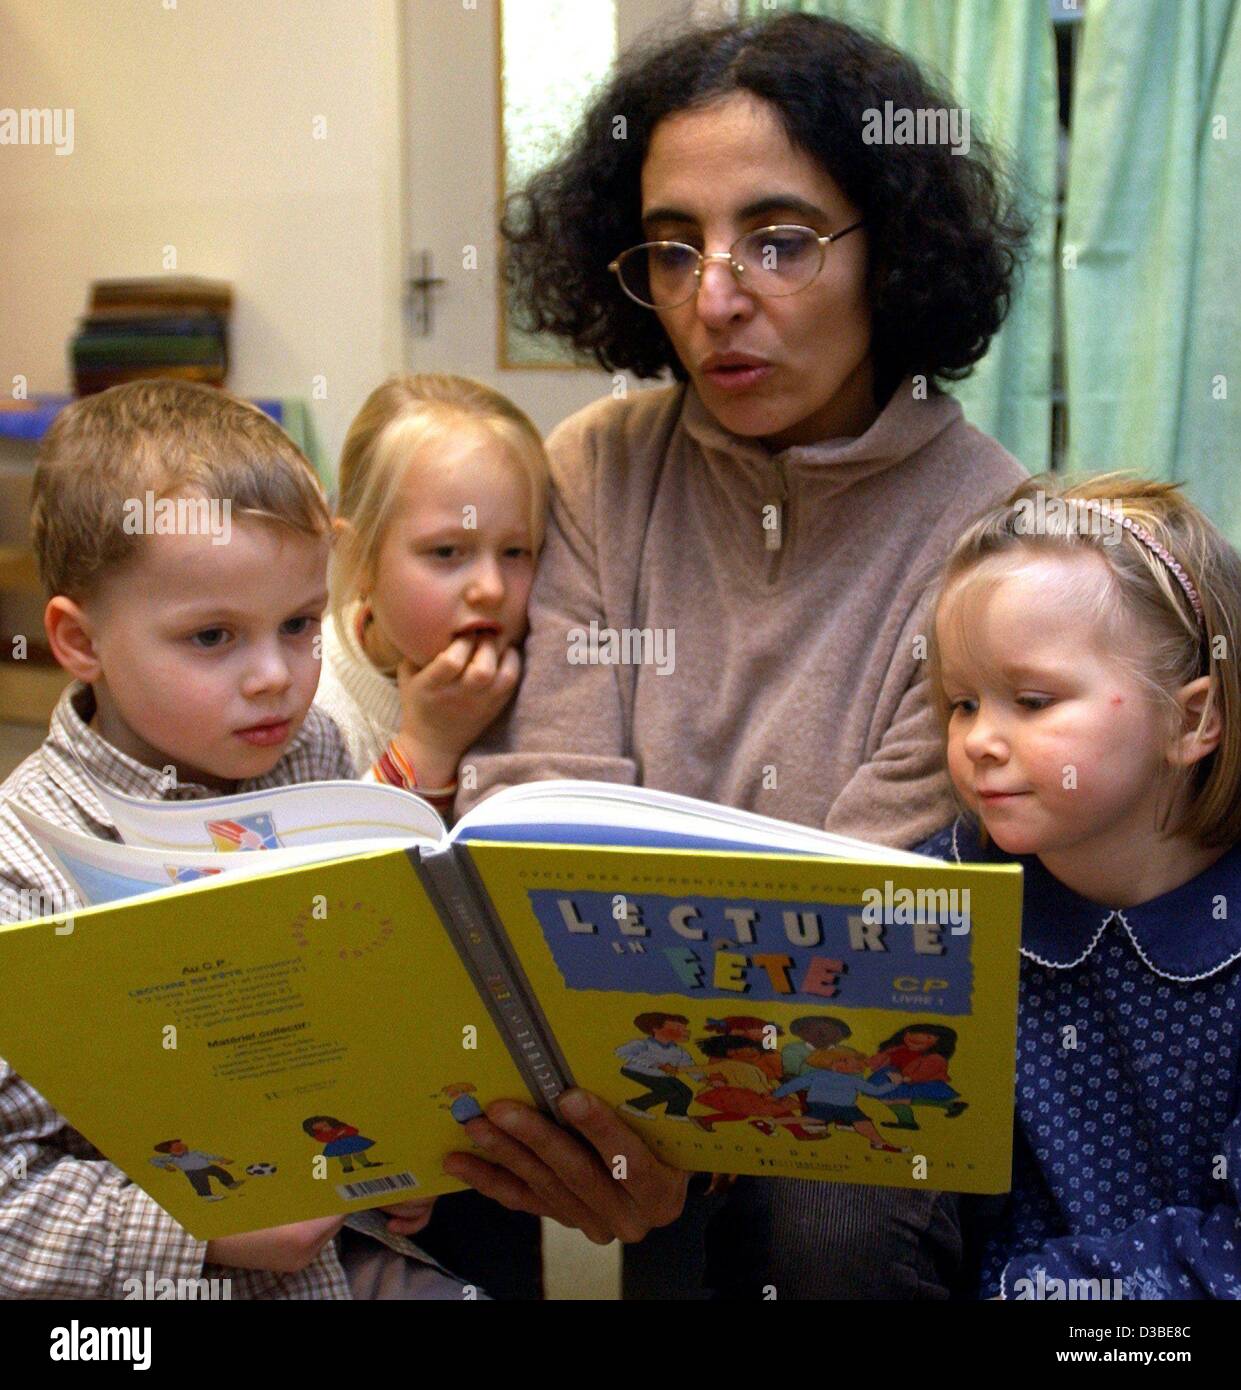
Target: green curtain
996 58
1150 250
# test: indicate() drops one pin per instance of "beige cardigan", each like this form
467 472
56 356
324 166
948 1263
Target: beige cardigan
782 593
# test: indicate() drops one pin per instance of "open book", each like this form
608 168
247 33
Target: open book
286 1004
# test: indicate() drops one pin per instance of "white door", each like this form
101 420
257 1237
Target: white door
452 151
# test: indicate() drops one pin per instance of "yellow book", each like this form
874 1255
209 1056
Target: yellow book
287 1004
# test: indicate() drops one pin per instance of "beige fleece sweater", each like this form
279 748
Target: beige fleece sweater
781 593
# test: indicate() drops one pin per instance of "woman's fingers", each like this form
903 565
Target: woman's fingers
492 1180
563 1200
566 1168
616 1179
505 1181
656 1190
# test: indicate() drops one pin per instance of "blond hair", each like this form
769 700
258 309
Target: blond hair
169 438
405 415
1143 600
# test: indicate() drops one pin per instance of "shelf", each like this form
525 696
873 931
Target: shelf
31 420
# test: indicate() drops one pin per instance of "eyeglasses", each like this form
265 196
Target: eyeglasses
770 262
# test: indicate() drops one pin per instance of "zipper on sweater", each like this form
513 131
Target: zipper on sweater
776 520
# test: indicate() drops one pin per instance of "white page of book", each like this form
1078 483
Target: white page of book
610 813
275 818
103 871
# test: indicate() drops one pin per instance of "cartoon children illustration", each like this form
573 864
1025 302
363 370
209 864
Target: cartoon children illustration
919 1056
461 1101
340 1141
814 1032
759 1031
739 1070
654 1060
198 1167
832 1083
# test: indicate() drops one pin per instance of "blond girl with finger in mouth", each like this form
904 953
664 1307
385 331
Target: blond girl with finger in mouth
440 517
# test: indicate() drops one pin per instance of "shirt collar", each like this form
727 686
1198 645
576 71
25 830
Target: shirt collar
1179 934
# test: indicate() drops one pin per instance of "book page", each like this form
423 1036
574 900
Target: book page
605 813
275 818
103 871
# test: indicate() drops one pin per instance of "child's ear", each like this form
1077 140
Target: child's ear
71 638
1195 737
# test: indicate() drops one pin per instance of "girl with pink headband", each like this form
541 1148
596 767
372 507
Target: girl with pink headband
1085 672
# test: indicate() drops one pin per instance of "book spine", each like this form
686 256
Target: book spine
154 325
88 380
466 912
164 290
101 350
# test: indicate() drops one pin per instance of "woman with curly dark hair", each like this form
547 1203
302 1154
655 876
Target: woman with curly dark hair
774 516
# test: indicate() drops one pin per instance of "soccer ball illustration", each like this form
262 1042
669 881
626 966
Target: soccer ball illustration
261 1170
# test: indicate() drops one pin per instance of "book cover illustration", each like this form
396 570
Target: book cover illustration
789 1018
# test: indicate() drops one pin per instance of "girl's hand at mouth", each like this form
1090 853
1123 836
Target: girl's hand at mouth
446 704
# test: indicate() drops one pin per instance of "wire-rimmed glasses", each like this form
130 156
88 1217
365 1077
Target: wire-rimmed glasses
769 262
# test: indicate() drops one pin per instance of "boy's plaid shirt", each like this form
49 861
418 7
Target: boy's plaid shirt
75 1226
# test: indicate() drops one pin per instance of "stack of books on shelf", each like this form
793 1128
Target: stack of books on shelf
172 325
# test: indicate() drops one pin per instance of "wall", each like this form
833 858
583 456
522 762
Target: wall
194 128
